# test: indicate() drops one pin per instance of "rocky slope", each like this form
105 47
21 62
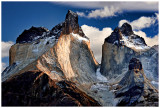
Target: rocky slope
135 89
62 54
35 88
123 45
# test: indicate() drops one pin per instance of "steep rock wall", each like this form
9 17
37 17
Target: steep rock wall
115 61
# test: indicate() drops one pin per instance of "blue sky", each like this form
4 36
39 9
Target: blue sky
93 16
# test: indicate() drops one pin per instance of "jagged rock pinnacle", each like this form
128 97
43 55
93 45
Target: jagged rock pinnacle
71 23
125 36
134 87
126 29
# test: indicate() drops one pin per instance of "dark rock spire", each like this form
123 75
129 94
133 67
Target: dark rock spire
126 29
71 23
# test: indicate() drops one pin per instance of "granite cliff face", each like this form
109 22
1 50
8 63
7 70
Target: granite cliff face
123 45
135 89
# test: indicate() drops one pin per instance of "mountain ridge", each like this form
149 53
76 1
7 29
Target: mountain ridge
58 68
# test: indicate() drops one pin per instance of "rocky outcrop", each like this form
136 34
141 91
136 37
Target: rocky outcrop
32 34
135 89
156 47
35 88
124 36
71 23
123 45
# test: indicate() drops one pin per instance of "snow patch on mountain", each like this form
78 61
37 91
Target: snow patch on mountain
100 77
80 38
133 43
155 84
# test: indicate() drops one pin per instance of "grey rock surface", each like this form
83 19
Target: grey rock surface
134 87
120 47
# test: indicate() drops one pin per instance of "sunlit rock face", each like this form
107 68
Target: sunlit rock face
123 45
135 89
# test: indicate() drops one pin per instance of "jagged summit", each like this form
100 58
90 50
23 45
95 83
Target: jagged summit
70 25
126 29
71 15
56 31
30 34
124 36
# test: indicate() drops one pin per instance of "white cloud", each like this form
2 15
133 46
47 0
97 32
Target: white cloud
97 39
141 23
107 8
149 41
81 14
129 6
5 48
104 12
3 66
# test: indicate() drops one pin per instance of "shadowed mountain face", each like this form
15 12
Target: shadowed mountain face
125 36
31 34
34 88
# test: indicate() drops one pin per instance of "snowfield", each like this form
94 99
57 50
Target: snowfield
134 43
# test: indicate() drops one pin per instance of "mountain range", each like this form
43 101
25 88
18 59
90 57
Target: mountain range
57 68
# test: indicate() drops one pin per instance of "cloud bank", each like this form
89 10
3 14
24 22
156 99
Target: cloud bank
5 46
108 9
3 66
96 37
103 12
126 6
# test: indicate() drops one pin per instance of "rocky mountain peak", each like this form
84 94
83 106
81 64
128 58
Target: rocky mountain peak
30 34
71 16
115 36
71 23
135 88
126 29
135 64
124 36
